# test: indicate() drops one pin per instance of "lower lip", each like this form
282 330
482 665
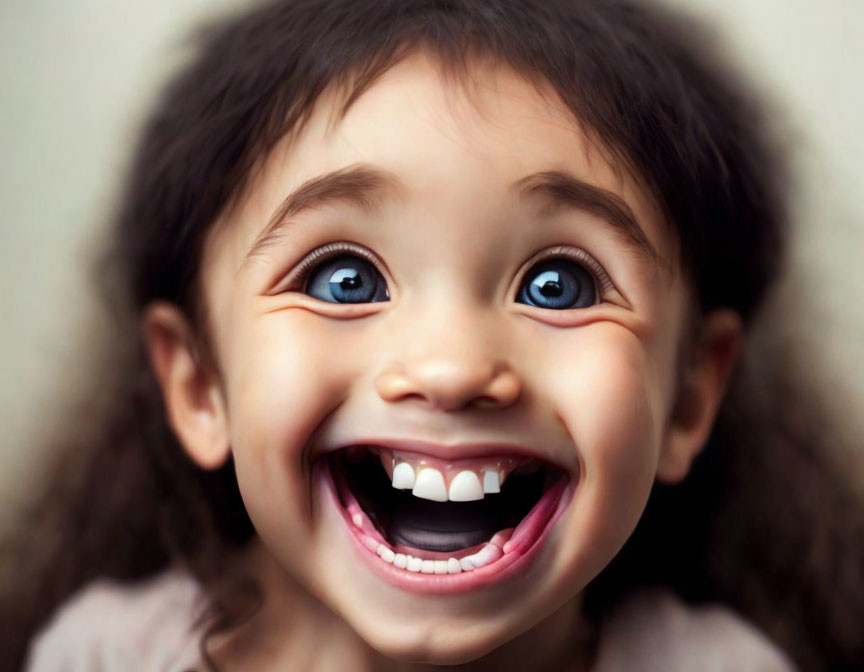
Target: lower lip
515 560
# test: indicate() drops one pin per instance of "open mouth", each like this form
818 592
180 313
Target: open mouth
423 515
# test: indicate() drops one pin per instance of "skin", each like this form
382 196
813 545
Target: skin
451 358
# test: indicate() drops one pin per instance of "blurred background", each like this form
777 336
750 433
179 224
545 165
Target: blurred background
76 78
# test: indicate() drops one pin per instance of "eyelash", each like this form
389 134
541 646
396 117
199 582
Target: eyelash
603 282
305 267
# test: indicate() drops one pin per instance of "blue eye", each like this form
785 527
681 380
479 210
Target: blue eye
347 279
558 284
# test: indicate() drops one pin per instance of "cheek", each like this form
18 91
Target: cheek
608 389
285 380
610 399
617 436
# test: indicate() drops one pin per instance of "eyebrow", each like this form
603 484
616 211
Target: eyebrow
562 190
365 186
361 185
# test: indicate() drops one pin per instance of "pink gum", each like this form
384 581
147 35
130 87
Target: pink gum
503 464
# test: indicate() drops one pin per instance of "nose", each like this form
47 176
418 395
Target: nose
449 385
451 378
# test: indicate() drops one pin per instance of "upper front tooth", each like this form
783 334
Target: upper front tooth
465 487
491 482
403 476
429 484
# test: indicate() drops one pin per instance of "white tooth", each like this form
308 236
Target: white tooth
358 519
401 560
489 553
466 564
414 564
484 556
386 554
491 482
430 485
465 487
440 566
403 476
453 566
428 567
474 560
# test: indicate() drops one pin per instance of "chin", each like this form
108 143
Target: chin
440 645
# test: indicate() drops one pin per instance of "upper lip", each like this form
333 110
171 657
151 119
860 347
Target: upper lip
453 451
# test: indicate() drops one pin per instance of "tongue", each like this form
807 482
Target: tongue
442 526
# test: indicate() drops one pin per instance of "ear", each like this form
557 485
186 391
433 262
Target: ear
193 398
703 385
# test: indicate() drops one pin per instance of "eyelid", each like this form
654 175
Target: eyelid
601 277
331 250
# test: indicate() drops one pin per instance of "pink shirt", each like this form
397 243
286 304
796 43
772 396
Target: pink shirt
112 627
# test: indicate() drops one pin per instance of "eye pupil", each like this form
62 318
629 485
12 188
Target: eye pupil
346 279
558 284
549 287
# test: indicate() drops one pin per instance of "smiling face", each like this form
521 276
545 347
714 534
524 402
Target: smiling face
490 288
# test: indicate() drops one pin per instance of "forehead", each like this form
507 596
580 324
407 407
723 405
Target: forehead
485 130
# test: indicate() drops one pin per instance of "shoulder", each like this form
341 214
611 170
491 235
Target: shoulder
110 626
662 633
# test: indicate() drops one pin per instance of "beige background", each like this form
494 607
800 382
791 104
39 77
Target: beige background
76 76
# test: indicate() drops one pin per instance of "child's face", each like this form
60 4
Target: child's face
444 351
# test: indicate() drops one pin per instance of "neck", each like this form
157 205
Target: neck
279 634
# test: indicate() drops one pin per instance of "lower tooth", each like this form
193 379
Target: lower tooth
386 554
370 543
361 522
449 566
502 537
485 555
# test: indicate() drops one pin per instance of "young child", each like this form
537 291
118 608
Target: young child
443 300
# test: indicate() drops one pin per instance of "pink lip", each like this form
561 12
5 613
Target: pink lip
520 552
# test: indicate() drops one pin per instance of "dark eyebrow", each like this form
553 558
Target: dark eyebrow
361 185
364 185
562 190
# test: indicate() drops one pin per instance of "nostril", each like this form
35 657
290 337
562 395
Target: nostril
486 402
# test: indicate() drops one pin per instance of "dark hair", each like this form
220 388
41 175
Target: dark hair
764 523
